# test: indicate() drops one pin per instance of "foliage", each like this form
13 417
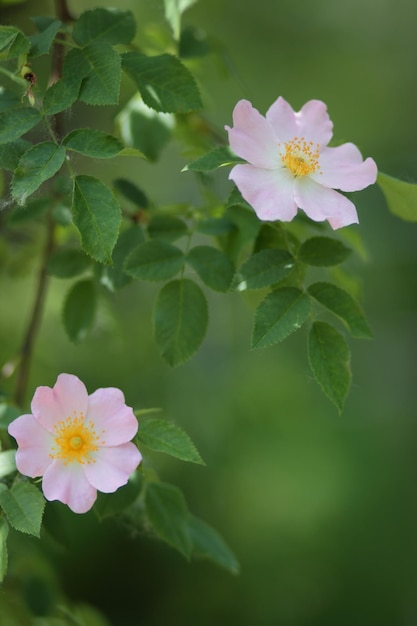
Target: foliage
101 236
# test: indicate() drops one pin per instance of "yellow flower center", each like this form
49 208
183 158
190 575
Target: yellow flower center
301 157
75 440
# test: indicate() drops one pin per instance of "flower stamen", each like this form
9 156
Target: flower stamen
75 440
301 157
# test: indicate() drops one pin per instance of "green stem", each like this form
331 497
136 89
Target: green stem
26 349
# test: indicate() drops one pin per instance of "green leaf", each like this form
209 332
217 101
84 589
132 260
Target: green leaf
42 42
36 165
167 227
329 358
79 310
173 11
131 192
93 143
168 513
8 100
193 43
180 320
281 313
115 277
208 544
97 216
214 159
154 260
244 232
164 83
213 267
10 153
263 269
145 129
109 504
4 531
102 85
67 263
62 94
163 436
13 43
16 122
401 196
7 462
110 25
342 304
23 505
323 252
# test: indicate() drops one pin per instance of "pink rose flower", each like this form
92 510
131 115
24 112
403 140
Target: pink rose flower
290 165
78 443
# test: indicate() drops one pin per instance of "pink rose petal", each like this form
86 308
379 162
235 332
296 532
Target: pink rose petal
343 168
321 203
112 467
108 411
52 405
269 192
252 137
32 457
68 484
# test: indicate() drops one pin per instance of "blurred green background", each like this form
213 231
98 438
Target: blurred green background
320 509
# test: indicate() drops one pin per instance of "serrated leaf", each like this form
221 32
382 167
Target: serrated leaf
323 252
173 11
7 35
213 267
10 153
36 165
68 262
79 310
131 192
93 143
62 94
110 25
115 277
168 513
102 85
342 304
164 82
109 504
23 505
13 43
329 357
16 122
4 532
263 269
401 197
281 313
7 462
154 260
41 42
219 157
180 320
97 216
208 544
167 227
163 436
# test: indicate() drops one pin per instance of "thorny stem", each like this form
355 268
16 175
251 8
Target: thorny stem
26 350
